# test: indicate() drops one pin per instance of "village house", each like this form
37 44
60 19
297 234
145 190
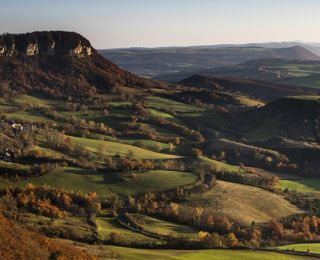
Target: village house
7 155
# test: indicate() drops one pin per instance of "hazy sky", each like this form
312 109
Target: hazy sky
128 23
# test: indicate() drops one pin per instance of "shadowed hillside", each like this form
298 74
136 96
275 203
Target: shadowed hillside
254 88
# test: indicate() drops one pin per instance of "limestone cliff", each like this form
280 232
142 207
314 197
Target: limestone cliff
44 43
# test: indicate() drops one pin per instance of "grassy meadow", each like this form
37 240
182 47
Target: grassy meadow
307 247
249 204
219 254
106 184
115 148
300 184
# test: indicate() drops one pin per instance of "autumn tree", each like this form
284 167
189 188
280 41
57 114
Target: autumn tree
196 215
196 152
171 147
230 240
102 150
157 147
276 229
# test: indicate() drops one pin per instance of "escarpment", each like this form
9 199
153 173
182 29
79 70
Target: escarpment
44 43
60 64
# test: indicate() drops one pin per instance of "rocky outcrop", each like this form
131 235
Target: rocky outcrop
32 49
80 50
45 43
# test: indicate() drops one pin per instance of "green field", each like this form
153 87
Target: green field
312 248
35 101
159 113
249 102
114 148
268 129
300 185
77 179
165 228
170 105
11 165
119 104
71 179
157 129
150 144
302 74
310 98
220 165
157 180
31 116
209 120
218 254
107 225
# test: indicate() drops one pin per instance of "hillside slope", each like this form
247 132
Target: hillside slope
249 204
16 242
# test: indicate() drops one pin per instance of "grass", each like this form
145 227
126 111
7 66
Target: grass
312 81
141 182
160 130
168 104
114 148
217 254
249 102
209 120
11 165
268 129
150 144
242 203
312 248
73 223
220 165
302 74
159 113
83 180
300 185
71 179
119 104
165 228
34 101
107 225
305 97
31 116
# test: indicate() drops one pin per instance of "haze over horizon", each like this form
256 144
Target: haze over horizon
142 23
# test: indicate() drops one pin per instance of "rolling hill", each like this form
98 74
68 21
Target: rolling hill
285 71
249 204
257 89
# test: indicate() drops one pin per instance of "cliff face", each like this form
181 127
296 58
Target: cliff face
44 43
59 64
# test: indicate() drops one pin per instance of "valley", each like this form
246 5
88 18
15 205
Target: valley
119 166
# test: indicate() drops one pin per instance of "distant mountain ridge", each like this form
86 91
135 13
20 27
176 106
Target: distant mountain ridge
152 62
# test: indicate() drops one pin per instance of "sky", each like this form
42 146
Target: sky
155 23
